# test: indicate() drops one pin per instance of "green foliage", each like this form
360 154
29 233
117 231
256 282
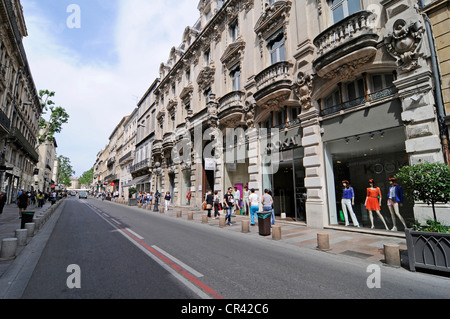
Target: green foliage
65 171
58 117
426 182
87 177
431 226
131 192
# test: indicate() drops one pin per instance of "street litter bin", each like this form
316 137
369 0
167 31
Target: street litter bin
264 223
27 217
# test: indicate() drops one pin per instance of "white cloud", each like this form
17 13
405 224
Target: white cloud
97 95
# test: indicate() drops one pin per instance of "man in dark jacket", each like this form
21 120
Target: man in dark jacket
22 202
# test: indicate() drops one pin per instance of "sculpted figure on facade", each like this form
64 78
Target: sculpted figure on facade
249 113
303 90
404 43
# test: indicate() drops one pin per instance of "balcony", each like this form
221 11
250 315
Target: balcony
17 137
142 166
273 83
230 110
345 45
168 141
360 101
126 158
157 147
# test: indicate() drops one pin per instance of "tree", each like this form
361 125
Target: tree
87 177
65 171
58 117
425 182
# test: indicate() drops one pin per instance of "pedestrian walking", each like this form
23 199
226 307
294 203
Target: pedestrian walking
22 202
38 199
229 201
267 202
2 201
254 206
216 204
167 199
209 203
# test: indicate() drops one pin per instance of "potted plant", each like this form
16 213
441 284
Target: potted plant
428 245
132 201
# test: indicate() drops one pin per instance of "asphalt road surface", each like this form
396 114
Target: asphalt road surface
125 253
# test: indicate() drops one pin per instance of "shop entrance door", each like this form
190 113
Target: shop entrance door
288 186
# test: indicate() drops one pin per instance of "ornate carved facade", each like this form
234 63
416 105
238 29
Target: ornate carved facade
301 81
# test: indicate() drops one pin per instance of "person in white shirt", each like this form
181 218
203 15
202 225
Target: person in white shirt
254 206
237 200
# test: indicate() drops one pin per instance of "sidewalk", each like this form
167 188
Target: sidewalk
9 222
362 243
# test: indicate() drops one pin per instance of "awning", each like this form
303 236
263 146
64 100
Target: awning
137 180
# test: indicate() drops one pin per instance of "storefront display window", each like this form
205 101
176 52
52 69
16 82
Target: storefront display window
375 156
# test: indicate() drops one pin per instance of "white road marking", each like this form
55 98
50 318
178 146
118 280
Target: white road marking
180 263
134 234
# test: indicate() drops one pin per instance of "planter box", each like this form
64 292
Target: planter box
428 250
132 202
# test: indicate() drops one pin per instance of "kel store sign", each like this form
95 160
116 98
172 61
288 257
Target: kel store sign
284 141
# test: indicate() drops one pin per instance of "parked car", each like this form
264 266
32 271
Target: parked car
73 193
82 195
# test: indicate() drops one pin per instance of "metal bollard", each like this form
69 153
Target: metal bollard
392 255
9 247
276 232
323 241
245 226
21 235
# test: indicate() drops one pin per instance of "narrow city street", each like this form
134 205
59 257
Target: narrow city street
123 252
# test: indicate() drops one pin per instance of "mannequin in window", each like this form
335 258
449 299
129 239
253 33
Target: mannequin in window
348 200
395 199
373 202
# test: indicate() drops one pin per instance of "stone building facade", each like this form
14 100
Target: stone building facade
20 108
295 97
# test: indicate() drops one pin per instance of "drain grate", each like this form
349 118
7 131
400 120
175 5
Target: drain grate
357 254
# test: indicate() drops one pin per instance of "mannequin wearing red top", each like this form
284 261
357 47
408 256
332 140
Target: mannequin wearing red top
373 202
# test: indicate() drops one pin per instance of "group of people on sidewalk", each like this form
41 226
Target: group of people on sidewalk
230 202
25 199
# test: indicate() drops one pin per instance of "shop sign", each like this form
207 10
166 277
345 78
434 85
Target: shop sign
291 140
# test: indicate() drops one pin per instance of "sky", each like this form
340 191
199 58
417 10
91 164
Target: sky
99 57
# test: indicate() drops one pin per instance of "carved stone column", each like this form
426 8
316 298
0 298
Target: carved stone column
313 161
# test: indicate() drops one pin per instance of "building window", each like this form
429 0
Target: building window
234 30
332 100
208 15
207 94
276 48
235 75
355 89
207 56
219 4
343 8
188 75
382 81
